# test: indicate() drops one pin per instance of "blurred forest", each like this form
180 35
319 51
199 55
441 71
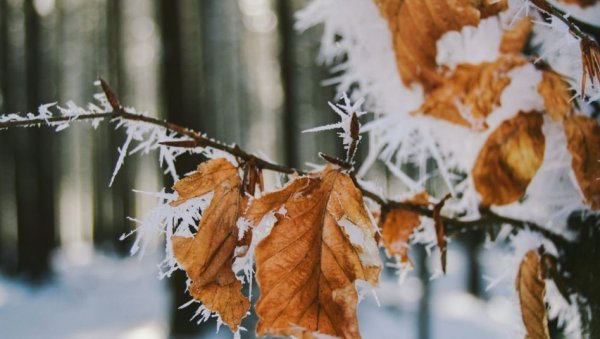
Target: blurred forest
234 69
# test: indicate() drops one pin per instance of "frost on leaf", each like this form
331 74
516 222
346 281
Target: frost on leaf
416 25
583 142
398 225
531 288
308 264
470 93
207 257
509 159
556 94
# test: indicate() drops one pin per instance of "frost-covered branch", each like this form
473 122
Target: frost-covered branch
198 140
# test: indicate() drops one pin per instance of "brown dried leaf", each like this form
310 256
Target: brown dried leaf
208 255
514 39
581 3
469 94
307 265
556 94
583 141
509 159
398 225
531 288
416 25
590 56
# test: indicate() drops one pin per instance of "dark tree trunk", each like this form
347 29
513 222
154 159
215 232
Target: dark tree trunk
34 170
287 64
4 151
172 81
112 205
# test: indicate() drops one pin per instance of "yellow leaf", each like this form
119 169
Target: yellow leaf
531 288
416 25
470 93
583 141
556 94
207 257
509 159
307 265
398 225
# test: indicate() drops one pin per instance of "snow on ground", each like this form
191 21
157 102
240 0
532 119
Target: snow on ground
91 296
98 296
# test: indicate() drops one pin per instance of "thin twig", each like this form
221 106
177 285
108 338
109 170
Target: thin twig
590 50
453 225
355 135
550 9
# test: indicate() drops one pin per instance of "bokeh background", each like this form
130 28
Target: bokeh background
234 69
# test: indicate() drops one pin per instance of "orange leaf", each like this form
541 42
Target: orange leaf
469 94
514 39
583 141
307 265
398 225
509 159
207 256
556 94
416 25
531 288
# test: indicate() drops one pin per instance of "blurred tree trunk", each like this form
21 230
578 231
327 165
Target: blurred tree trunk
287 62
34 168
112 205
173 105
5 154
305 103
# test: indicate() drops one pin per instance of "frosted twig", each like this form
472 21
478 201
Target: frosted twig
452 225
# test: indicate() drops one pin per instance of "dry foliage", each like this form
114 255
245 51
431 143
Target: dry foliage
583 141
514 39
590 55
556 94
307 265
416 25
531 288
207 257
581 3
469 94
397 226
509 159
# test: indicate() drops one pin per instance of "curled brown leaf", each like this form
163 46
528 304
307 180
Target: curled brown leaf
207 257
470 93
416 25
509 159
307 265
531 289
581 3
556 94
397 225
514 39
583 142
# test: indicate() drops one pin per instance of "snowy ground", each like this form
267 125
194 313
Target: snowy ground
96 296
